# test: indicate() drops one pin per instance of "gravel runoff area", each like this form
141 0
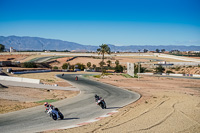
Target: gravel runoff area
15 96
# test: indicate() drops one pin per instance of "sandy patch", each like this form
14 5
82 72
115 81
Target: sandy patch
167 105
13 57
16 98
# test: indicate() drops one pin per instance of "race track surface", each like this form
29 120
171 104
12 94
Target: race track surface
76 110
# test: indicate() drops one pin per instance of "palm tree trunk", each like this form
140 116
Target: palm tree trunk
103 57
102 65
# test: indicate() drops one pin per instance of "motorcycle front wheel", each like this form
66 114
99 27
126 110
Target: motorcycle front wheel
54 116
101 105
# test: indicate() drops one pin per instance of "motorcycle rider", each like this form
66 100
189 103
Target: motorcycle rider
76 78
48 106
97 97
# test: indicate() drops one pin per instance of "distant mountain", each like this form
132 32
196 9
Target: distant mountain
37 43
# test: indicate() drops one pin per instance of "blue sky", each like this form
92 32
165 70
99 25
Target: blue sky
93 22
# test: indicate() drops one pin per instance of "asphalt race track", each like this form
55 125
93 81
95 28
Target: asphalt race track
75 110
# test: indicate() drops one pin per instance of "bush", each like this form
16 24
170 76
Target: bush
89 64
81 66
97 76
148 70
126 75
119 68
142 69
55 68
168 71
160 69
65 66
177 68
29 65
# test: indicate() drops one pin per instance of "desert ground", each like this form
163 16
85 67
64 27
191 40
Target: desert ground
167 104
17 98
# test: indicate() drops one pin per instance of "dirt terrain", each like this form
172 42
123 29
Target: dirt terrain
17 98
13 57
96 60
167 105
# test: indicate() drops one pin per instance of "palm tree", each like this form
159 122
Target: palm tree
104 48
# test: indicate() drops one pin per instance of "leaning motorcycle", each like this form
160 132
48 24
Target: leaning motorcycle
55 113
76 78
101 103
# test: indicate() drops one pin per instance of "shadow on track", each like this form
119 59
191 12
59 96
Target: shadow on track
70 118
113 107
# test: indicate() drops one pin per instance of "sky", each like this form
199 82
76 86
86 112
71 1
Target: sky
96 22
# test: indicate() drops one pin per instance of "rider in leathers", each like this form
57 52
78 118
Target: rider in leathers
48 106
97 97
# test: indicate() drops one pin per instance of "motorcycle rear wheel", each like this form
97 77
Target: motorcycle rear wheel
61 116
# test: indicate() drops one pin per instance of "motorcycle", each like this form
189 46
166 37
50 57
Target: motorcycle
101 103
55 113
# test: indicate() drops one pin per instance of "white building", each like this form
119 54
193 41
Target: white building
11 49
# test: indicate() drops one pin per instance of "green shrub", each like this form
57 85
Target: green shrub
81 66
169 71
119 68
126 75
142 69
177 68
97 76
160 69
65 65
29 65
55 68
89 64
47 100
148 70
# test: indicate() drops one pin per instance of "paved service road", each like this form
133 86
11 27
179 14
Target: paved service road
76 110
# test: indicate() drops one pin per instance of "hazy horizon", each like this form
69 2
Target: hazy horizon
97 45
120 23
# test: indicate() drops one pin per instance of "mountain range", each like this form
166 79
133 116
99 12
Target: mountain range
37 43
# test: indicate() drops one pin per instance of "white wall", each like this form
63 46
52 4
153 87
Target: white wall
19 79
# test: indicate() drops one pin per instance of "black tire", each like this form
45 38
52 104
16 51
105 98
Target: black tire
102 106
61 116
54 116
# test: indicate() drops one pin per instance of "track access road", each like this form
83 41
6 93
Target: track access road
76 110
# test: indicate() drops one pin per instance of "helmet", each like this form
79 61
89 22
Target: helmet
95 95
45 104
